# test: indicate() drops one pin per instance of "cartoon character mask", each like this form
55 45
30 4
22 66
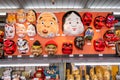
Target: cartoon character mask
89 33
106 75
72 24
99 45
36 48
9 31
9 47
39 74
87 18
21 16
51 47
20 30
79 42
23 46
67 48
99 22
11 18
31 30
31 16
110 38
47 25
110 20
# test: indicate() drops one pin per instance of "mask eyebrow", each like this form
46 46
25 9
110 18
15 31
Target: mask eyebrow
53 18
40 18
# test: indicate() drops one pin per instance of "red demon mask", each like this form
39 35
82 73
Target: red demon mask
110 38
9 47
99 45
99 22
67 48
87 18
39 74
110 20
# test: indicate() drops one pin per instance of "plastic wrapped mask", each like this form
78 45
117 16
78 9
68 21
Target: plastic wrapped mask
67 48
31 16
39 74
79 42
72 24
31 30
47 25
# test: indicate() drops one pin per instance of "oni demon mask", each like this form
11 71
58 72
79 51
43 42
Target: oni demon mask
36 48
99 22
67 48
39 74
89 33
11 18
9 31
31 30
47 25
72 24
23 46
51 47
110 20
79 42
99 45
87 18
9 47
110 38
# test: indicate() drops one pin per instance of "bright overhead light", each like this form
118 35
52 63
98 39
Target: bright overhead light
2 13
11 7
116 13
101 7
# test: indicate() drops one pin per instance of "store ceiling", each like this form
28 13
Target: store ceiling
36 4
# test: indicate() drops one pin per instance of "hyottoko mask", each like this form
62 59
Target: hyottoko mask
20 30
99 22
9 47
87 18
31 30
21 16
31 16
67 48
79 42
89 33
51 47
47 25
23 46
110 20
9 31
11 18
72 24
36 48
99 45
110 38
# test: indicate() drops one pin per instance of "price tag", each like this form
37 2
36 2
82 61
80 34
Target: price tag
9 56
58 35
47 77
63 34
113 48
31 38
31 56
71 55
19 56
89 44
45 55
98 30
36 79
81 55
100 54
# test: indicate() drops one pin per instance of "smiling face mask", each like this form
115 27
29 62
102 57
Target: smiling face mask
31 30
73 24
31 16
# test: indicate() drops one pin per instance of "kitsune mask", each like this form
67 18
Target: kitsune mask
67 48
31 30
72 24
9 47
9 31
89 33
23 46
87 18
51 47
79 42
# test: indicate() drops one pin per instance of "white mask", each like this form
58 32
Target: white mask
31 30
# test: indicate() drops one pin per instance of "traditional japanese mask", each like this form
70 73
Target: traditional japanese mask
31 16
99 45
87 18
79 42
36 48
20 30
39 74
117 45
1 43
9 31
47 25
94 77
31 30
21 16
51 47
11 18
106 75
87 77
23 46
9 47
89 33
1 34
72 24
117 33
110 38
92 72
67 48
110 20
99 22
70 77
